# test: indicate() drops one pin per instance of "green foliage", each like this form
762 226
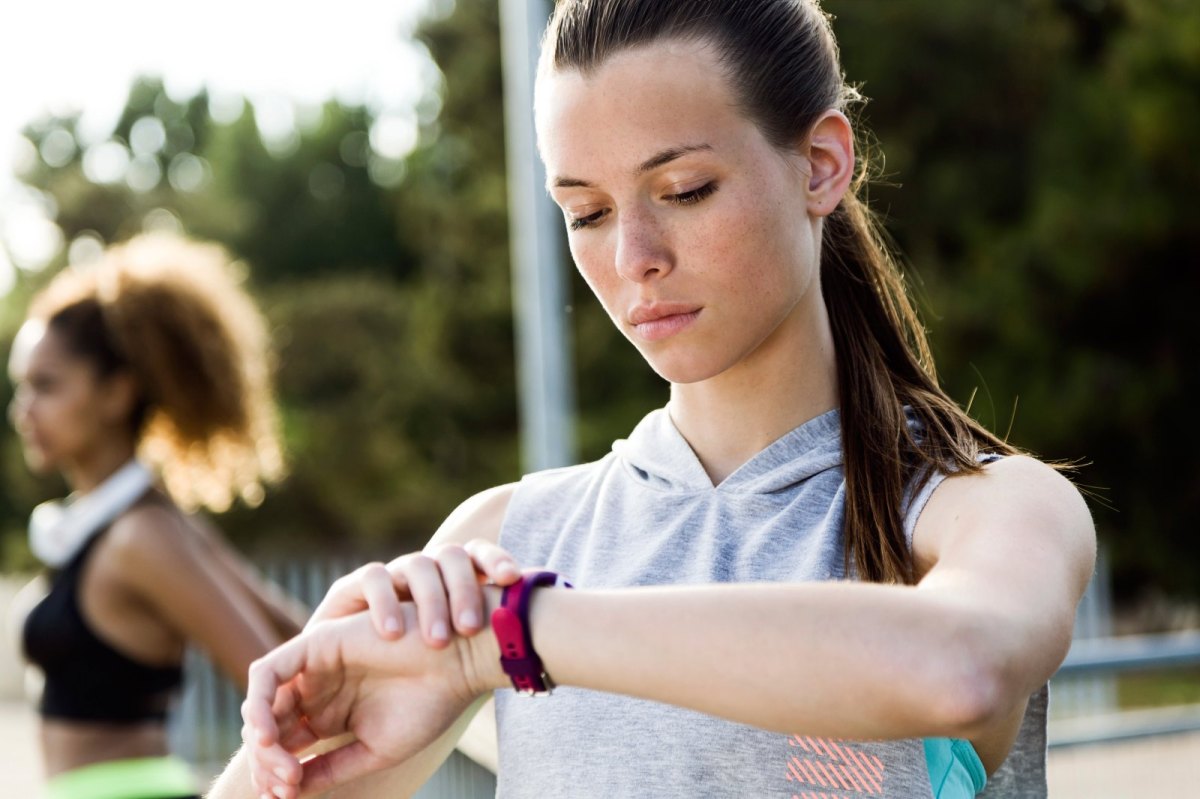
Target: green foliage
1044 154
387 429
389 304
1038 179
1159 688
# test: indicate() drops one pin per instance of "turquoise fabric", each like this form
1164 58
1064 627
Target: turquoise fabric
955 770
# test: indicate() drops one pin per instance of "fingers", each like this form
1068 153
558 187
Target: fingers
422 576
462 570
276 777
272 721
443 582
379 591
493 561
368 587
274 773
461 584
274 769
267 674
338 767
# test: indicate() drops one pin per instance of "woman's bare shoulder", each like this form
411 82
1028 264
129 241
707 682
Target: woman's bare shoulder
151 532
480 516
1009 498
1014 481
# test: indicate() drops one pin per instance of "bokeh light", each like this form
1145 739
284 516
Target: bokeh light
188 173
85 248
106 163
58 148
147 136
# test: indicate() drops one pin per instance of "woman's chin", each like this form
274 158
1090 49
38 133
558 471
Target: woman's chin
683 371
39 462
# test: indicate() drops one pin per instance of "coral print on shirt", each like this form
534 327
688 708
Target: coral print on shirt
830 768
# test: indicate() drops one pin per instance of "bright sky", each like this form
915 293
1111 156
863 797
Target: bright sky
59 56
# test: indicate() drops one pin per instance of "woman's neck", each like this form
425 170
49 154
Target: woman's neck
87 471
789 379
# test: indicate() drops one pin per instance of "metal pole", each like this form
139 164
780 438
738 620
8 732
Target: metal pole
544 374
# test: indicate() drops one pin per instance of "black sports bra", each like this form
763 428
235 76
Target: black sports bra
86 678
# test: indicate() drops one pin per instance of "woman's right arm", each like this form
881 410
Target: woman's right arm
162 563
427 578
286 614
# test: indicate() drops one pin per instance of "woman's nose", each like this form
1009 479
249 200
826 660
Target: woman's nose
642 252
18 408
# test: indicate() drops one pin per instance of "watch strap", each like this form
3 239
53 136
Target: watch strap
510 623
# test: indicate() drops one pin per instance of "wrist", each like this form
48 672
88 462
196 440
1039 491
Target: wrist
512 625
482 657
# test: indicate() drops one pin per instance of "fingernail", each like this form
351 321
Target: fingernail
468 619
280 791
508 568
391 625
438 631
282 774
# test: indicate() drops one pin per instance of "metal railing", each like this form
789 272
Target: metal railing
1083 694
1110 656
1132 652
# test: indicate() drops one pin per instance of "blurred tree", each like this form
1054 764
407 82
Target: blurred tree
396 377
1043 149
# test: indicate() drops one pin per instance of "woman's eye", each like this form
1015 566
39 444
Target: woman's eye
578 223
694 196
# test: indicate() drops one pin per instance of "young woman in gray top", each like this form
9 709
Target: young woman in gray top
879 628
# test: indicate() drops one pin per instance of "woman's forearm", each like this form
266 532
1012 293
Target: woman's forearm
837 659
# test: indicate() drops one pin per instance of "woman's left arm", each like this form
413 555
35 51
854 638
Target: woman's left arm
1007 555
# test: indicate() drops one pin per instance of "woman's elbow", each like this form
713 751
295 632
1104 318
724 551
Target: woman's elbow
977 687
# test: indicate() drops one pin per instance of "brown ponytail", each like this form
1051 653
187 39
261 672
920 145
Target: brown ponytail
885 375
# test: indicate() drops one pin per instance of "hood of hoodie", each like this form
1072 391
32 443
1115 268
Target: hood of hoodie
658 455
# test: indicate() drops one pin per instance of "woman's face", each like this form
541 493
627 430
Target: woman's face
691 228
60 408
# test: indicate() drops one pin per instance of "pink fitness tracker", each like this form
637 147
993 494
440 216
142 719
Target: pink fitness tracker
510 623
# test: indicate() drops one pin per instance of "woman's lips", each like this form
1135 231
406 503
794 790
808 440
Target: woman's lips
666 325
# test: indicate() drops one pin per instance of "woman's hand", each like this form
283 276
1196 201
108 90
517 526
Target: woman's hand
395 697
444 582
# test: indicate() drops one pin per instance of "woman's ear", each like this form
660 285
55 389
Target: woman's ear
829 149
120 394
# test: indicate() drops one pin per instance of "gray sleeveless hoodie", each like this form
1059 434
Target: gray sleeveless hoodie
647 514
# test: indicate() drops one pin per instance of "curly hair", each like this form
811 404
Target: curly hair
173 313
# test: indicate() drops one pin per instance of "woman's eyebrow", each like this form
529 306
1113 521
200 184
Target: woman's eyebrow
668 155
653 162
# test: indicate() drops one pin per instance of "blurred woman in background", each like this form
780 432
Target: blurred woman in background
144 380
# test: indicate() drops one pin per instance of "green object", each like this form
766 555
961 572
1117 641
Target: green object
955 770
139 778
